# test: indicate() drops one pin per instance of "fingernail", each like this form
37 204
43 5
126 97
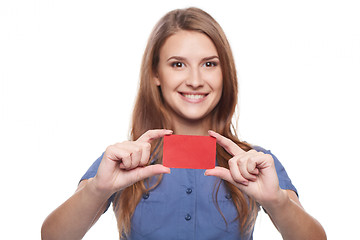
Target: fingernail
168 171
245 183
168 132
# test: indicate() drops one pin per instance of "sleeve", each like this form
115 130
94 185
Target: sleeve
91 172
284 180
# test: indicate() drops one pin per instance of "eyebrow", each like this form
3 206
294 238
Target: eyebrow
182 58
210 58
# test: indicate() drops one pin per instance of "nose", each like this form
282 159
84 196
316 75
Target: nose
194 79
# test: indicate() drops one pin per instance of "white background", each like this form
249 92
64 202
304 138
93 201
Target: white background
69 74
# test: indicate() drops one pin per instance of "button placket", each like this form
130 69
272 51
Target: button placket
188 195
188 215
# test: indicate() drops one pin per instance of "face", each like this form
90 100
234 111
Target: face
189 75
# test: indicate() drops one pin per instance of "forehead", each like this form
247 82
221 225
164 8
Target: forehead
190 44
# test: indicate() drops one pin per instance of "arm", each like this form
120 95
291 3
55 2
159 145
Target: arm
122 165
75 217
292 221
254 174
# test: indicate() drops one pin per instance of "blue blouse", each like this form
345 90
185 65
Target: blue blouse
182 206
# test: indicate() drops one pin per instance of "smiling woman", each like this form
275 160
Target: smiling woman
190 78
188 86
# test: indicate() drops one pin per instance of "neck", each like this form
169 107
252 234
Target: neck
196 127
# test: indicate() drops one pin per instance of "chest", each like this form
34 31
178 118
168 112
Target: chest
183 206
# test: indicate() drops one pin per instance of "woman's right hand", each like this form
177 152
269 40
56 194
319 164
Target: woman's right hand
126 163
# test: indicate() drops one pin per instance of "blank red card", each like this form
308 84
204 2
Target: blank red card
186 151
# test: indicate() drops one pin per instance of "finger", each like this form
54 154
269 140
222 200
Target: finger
119 155
235 172
135 158
264 161
154 134
251 168
140 152
126 153
226 143
222 173
252 165
243 163
135 150
145 154
126 161
150 171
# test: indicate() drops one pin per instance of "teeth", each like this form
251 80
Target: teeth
193 96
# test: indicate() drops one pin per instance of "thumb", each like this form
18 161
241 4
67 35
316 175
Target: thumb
220 172
150 171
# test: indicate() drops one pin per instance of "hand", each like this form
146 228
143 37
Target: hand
124 164
252 172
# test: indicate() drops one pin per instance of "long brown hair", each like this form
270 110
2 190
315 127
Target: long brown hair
150 111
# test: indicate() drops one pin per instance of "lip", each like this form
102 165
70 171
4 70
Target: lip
193 97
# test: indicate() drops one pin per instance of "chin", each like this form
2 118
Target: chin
196 116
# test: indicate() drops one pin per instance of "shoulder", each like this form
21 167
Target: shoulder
91 172
260 149
278 164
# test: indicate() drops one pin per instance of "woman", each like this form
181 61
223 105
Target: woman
188 84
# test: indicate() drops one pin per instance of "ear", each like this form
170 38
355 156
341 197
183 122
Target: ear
156 79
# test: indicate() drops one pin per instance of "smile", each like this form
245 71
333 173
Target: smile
193 97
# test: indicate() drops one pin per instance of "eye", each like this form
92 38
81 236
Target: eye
210 64
177 64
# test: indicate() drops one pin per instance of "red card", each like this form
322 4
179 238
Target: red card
186 151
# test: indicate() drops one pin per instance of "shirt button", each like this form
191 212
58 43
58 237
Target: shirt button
146 195
187 217
228 196
189 190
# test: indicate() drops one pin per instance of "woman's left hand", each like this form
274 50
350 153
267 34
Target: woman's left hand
252 172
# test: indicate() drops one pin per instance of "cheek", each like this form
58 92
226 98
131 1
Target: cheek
170 80
219 85
213 76
216 81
